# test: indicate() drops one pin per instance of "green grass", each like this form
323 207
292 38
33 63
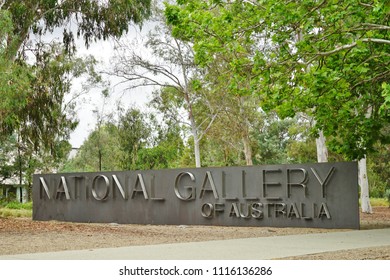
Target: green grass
15 213
18 205
379 202
14 209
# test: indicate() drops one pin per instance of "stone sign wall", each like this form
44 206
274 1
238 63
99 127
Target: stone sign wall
306 195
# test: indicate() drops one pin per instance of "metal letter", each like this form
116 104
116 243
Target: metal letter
248 210
300 184
141 181
207 210
224 188
192 189
77 188
326 181
62 188
119 186
278 210
303 206
234 210
270 184
212 184
219 207
45 187
293 211
324 211
152 191
243 187
257 213
107 186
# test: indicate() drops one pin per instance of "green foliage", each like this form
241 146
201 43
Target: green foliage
8 169
134 135
166 154
35 123
18 205
136 141
14 79
15 209
302 151
378 168
95 20
377 202
327 60
273 141
101 151
171 70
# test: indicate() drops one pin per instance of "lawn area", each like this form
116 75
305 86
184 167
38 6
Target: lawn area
16 209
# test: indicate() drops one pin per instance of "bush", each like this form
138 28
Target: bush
18 205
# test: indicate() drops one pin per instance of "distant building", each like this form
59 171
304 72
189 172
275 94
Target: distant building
73 153
11 188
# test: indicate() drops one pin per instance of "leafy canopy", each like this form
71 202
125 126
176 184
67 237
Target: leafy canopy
328 59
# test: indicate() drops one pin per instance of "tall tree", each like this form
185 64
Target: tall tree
95 20
99 152
19 19
167 63
134 134
136 141
336 71
36 76
227 84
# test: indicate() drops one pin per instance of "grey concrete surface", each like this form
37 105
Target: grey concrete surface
234 249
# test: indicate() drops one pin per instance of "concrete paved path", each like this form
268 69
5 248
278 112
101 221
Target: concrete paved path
235 249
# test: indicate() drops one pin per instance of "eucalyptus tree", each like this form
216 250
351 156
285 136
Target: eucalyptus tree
8 168
165 63
99 152
135 141
36 75
236 117
324 58
344 50
94 20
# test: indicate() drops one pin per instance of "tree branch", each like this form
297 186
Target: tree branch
350 46
371 26
375 78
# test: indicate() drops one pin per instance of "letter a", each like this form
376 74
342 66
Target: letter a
209 177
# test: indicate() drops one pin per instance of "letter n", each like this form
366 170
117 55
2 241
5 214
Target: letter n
45 187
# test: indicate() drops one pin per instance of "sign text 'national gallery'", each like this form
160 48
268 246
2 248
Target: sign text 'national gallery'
305 195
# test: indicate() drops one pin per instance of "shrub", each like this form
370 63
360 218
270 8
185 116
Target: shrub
13 205
18 205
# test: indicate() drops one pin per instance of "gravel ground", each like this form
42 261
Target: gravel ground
21 235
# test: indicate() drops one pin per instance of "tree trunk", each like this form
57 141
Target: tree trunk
364 189
322 150
247 151
194 131
194 128
245 123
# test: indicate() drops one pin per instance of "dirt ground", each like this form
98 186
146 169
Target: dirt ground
22 235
